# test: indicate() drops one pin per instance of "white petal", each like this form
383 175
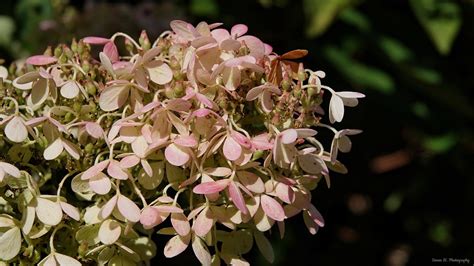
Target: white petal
15 130
70 210
160 73
201 251
48 212
10 169
10 244
114 97
53 150
336 109
70 89
109 231
64 260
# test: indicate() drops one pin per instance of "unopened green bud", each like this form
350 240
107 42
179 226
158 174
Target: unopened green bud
89 148
58 51
285 84
91 89
144 41
77 107
74 45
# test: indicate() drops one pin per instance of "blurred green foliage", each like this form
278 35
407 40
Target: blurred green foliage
408 195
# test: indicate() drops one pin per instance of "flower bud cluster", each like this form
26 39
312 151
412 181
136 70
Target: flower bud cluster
204 135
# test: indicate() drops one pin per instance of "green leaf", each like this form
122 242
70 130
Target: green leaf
440 19
440 144
321 13
356 18
264 246
359 73
393 202
7 28
204 8
395 49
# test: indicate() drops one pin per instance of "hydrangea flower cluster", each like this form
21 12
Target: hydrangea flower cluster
204 135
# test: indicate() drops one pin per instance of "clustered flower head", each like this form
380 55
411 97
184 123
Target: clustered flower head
204 135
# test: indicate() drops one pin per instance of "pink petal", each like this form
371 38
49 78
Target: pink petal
288 136
238 61
251 181
285 193
176 245
183 29
111 51
176 155
72 149
237 197
211 187
201 251
41 60
261 142
203 223
150 217
169 209
128 209
255 45
129 161
232 149
180 224
70 210
267 102
94 130
186 141
254 93
204 100
230 45
36 121
178 105
108 207
268 49
272 208
310 224
201 112
115 171
238 30
315 215
94 170
220 34
218 171
95 40
241 139
100 184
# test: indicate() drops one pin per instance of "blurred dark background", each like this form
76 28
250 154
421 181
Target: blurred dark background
409 194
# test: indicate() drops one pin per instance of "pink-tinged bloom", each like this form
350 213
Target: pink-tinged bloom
110 49
41 84
179 152
100 182
41 60
123 205
284 150
264 94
